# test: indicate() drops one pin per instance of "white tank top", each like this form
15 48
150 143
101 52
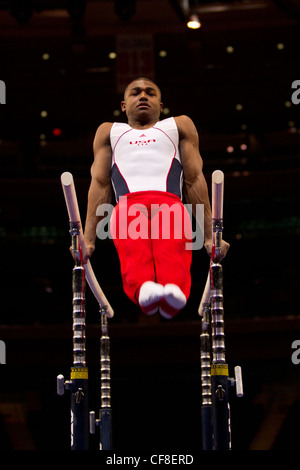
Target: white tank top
146 160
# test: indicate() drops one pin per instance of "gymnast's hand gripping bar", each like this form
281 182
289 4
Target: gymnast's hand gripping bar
74 217
217 220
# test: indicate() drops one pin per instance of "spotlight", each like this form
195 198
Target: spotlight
194 22
163 53
239 107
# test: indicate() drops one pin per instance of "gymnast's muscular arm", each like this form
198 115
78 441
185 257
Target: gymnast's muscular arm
195 186
100 190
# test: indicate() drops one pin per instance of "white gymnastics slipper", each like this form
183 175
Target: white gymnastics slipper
150 295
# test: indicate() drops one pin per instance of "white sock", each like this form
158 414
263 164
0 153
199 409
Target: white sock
150 293
174 296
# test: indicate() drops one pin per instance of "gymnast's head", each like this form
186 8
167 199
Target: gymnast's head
137 82
142 100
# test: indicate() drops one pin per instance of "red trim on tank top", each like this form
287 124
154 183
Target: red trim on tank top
157 128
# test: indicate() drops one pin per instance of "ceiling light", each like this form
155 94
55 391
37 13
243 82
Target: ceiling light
229 49
194 22
163 53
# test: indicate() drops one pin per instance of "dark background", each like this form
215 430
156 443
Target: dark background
156 383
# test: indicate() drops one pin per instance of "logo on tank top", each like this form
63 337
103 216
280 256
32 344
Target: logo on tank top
142 142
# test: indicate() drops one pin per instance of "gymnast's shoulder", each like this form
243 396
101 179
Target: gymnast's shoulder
102 134
185 125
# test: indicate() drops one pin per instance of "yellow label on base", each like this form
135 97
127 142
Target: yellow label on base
79 373
219 369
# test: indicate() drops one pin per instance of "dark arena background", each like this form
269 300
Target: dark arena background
63 67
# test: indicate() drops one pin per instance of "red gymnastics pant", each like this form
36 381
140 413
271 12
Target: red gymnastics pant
151 230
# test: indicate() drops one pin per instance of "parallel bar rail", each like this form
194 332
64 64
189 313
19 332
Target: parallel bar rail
216 424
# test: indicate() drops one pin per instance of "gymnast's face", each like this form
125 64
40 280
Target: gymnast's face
142 102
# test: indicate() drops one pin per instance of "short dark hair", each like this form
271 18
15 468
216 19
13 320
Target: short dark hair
146 79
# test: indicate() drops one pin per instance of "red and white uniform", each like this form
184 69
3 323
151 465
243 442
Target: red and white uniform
146 160
146 172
